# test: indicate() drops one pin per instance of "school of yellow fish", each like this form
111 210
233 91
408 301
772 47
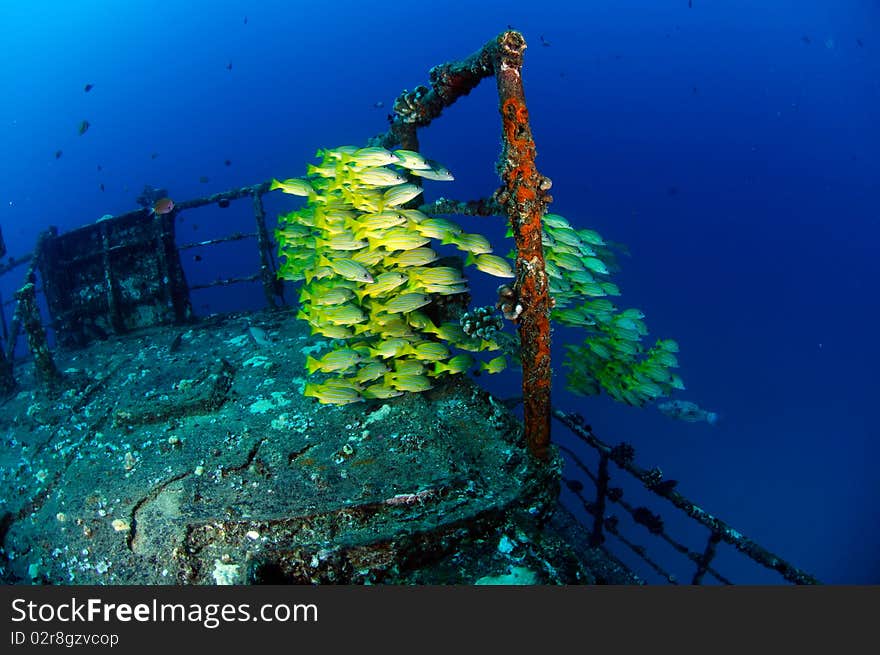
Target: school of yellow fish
369 279
612 357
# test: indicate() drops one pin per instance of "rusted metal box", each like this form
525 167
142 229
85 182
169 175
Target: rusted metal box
114 276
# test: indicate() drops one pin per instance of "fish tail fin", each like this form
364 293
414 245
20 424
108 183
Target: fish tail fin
312 364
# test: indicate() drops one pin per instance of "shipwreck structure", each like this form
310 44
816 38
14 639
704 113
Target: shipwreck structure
147 445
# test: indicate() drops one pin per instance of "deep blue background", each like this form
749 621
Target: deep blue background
733 149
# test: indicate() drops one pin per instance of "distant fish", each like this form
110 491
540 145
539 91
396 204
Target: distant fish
684 410
162 206
197 258
544 42
227 162
83 127
806 39
58 154
378 104
245 20
861 43
88 87
99 167
690 4
204 179
153 155
101 186
229 65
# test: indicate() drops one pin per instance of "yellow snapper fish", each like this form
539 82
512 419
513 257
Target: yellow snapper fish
406 302
421 322
393 328
341 242
437 228
437 171
365 223
338 360
332 331
567 261
476 244
457 364
408 258
389 348
400 194
408 382
439 275
336 154
346 268
327 170
371 372
413 215
344 314
595 265
491 264
293 186
451 332
591 237
383 283
495 365
408 367
326 296
411 160
378 177
381 391
370 256
441 289
371 156
430 351
331 394
556 221
399 238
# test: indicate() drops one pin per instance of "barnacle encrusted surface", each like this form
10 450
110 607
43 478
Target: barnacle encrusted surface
204 464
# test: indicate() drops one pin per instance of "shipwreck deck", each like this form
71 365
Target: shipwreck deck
188 455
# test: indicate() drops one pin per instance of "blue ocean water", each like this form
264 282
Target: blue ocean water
733 149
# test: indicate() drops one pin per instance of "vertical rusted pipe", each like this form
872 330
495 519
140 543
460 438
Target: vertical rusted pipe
524 197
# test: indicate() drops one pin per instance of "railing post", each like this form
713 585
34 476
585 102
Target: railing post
45 371
524 198
267 275
7 380
706 559
596 536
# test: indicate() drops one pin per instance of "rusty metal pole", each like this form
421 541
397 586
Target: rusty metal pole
524 197
45 371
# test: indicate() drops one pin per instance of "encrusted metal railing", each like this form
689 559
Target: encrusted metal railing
623 455
26 314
